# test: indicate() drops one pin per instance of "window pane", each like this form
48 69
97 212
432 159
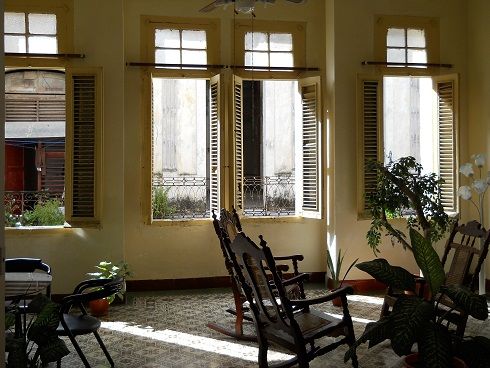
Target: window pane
179 149
42 24
15 23
167 38
167 56
256 59
395 55
417 56
282 59
15 44
415 38
407 118
194 57
42 44
281 41
194 40
256 41
396 37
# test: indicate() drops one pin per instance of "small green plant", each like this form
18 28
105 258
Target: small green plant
108 270
46 213
11 218
160 204
41 343
335 271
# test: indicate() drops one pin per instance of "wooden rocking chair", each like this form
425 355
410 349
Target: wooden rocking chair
228 226
466 250
287 322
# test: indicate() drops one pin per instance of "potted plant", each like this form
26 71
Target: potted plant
107 270
414 318
335 282
40 344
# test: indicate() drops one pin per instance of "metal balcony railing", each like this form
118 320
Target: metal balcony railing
269 195
19 203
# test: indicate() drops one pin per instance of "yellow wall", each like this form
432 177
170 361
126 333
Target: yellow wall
339 37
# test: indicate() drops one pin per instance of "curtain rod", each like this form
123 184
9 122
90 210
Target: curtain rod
31 55
386 63
222 66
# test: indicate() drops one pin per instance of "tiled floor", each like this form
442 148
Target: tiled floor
168 330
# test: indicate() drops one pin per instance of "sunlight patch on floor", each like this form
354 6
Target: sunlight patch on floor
365 299
231 349
354 319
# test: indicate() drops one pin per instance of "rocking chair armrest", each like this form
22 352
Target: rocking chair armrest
281 267
341 292
93 283
296 279
292 257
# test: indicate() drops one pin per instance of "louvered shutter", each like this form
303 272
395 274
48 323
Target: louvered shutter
446 92
238 140
84 94
369 136
214 146
310 91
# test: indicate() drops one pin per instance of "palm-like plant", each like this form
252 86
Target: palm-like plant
415 319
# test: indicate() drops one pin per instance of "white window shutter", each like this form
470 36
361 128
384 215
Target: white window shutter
310 92
214 146
446 88
83 145
238 141
369 136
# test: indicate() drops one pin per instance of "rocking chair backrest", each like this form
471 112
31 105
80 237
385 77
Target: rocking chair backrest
266 295
469 244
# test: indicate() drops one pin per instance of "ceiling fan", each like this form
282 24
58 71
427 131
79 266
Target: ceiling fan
242 6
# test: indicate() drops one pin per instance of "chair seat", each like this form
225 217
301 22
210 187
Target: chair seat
79 325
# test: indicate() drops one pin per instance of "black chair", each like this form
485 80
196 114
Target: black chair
287 322
25 265
72 325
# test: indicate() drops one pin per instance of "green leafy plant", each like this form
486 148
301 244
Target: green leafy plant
47 213
161 207
335 271
108 270
41 343
404 191
11 217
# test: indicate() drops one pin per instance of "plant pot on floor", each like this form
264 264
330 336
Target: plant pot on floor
412 361
99 307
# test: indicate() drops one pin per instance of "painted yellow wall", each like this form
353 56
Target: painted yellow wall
339 37
479 91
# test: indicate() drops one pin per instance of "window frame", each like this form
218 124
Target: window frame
296 29
428 24
63 9
370 133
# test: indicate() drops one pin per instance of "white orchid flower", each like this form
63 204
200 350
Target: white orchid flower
466 169
464 192
479 159
480 186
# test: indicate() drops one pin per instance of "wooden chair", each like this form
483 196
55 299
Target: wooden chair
228 226
287 322
73 325
464 254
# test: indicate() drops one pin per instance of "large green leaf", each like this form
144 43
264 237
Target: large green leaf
410 314
475 305
53 350
396 277
434 344
375 332
428 261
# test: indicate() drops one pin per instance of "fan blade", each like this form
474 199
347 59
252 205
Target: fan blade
213 5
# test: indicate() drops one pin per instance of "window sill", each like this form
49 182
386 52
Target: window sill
28 230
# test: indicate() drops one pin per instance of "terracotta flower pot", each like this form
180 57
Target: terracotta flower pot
337 302
411 361
99 307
